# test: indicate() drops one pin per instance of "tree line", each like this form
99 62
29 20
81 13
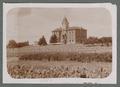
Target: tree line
102 41
42 42
14 44
53 39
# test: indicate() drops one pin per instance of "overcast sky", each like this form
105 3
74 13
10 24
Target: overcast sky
31 23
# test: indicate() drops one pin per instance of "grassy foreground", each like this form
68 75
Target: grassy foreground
61 69
60 61
63 56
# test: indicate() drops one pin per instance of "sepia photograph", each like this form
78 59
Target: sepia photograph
59 43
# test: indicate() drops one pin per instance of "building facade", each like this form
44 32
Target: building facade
70 35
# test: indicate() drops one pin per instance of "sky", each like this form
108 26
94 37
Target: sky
30 24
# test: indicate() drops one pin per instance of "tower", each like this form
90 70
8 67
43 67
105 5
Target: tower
65 25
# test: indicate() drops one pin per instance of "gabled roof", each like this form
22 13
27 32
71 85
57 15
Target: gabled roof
70 28
76 28
57 29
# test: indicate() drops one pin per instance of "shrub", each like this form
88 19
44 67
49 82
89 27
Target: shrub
62 56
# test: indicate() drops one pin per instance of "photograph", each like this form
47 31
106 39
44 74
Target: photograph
66 43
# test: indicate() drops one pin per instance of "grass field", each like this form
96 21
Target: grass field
58 48
57 69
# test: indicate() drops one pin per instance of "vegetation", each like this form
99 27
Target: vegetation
22 44
13 44
53 39
105 40
56 62
42 41
102 40
63 56
37 69
92 40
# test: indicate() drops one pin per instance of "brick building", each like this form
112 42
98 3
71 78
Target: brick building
70 35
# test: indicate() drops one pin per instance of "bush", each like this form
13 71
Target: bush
62 56
22 44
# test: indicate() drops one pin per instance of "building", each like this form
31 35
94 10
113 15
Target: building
70 35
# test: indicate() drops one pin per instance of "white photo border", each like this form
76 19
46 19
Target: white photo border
111 79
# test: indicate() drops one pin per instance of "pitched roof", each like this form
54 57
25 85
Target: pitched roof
65 21
76 28
70 28
57 29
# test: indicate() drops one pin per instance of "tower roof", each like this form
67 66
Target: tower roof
65 21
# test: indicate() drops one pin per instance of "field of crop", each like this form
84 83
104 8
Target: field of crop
63 69
26 62
58 48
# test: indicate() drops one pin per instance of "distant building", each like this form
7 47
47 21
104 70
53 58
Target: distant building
70 35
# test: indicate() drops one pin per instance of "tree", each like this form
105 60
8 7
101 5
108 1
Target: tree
53 39
12 44
22 44
105 40
42 41
91 40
